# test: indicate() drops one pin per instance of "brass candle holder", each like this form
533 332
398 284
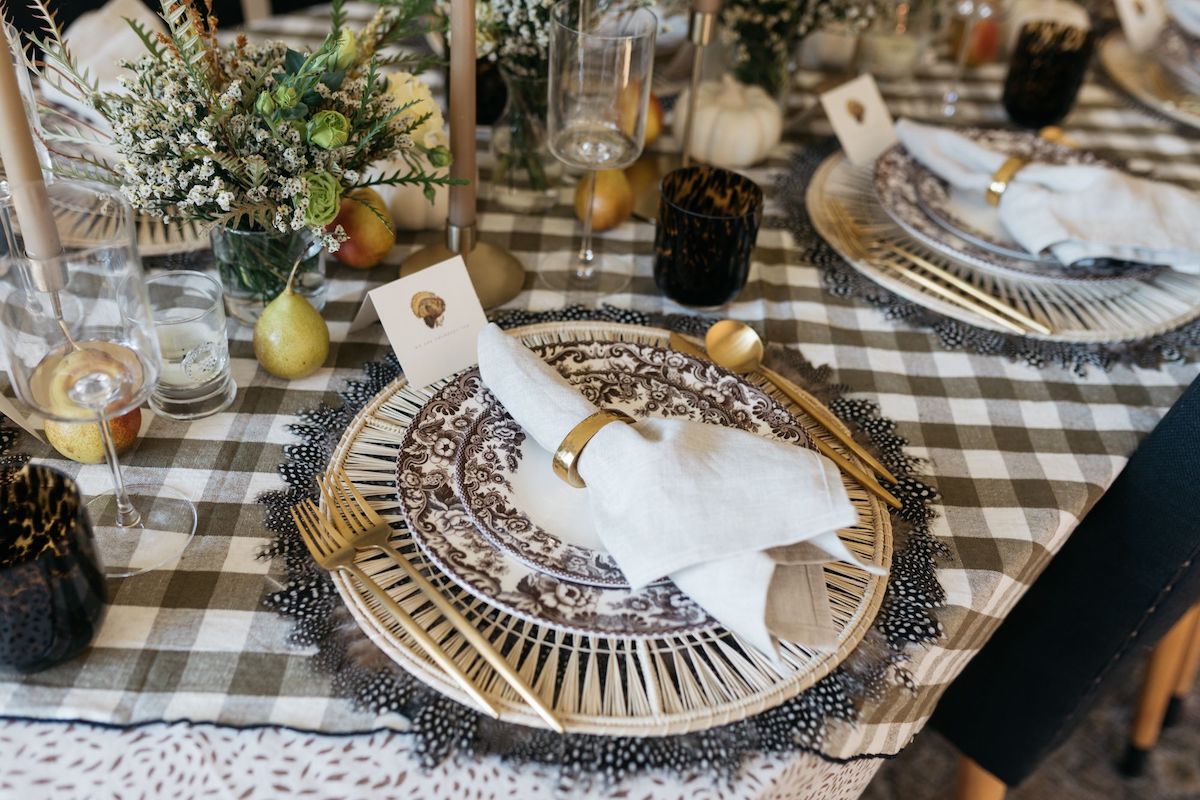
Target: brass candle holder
495 273
702 25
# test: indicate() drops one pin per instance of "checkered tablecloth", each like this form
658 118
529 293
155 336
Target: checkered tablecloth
1018 455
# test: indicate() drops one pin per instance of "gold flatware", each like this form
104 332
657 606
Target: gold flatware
360 527
681 344
738 347
331 553
968 297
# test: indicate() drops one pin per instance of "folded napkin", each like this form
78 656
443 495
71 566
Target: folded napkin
740 523
1186 14
101 40
1077 212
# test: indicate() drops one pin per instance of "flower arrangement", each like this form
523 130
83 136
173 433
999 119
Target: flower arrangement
515 33
255 136
762 33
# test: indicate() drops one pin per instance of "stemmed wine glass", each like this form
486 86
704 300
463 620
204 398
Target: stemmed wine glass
601 58
81 346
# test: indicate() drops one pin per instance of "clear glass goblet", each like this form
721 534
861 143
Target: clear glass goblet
79 335
601 63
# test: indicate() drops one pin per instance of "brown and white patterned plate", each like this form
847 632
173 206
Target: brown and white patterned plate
501 474
939 216
1179 56
1142 77
521 567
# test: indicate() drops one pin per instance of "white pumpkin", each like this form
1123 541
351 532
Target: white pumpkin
736 124
411 210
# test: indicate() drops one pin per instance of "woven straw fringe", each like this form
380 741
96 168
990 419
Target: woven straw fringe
595 684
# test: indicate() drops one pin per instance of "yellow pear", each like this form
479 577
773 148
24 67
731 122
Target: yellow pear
291 340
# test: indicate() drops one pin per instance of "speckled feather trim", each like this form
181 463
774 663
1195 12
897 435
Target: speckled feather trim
10 462
443 728
842 280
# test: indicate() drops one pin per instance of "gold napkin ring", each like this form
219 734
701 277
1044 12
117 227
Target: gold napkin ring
1003 177
566 457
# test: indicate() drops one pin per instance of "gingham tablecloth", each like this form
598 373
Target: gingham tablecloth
1018 454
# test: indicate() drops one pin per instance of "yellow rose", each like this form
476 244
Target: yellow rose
405 88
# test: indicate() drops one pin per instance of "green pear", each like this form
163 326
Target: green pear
290 339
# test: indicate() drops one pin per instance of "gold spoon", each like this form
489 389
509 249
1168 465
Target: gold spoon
734 360
737 347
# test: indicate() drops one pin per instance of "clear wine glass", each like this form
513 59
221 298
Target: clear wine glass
81 347
601 60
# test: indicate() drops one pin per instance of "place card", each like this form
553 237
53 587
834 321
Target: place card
860 118
1141 20
432 319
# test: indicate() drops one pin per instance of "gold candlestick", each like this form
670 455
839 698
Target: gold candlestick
495 273
702 24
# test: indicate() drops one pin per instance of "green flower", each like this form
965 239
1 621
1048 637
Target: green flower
265 104
328 129
324 198
286 97
345 52
439 156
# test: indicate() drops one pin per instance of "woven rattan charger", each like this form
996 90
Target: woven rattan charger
594 684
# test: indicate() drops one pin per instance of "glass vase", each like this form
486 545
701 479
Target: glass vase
255 265
526 175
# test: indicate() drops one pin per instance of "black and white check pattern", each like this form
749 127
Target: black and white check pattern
1018 455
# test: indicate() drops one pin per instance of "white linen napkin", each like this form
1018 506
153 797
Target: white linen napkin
702 504
1077 212
101 40
1186 14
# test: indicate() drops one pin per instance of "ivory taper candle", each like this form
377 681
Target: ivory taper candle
21 166
462 111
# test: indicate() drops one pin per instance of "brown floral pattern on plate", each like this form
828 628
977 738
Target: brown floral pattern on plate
442 527
640 380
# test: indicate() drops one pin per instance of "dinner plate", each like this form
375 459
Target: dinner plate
966 227
1143 78
1179 56
559 576
1083 312
501 474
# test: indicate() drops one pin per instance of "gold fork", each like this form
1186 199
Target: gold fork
332 554
969 297
360 526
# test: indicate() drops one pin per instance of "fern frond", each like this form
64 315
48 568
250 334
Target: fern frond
150 40
188 37
337 17
260 216
230 164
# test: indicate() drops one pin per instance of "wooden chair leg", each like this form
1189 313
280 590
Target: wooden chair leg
1162 673
1187 676
976 783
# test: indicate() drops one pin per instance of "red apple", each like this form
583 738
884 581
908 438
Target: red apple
80 441
365 218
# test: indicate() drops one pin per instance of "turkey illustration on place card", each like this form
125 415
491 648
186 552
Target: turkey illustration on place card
1141 20
860 118
432 319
